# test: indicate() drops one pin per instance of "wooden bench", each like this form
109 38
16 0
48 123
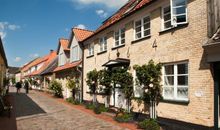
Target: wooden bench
4 107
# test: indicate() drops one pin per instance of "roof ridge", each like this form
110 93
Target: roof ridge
83 29
63 38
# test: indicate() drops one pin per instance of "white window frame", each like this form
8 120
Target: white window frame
175 86
162 14
120 37
103 44
61 59
91 49
142 27
75 58
173 16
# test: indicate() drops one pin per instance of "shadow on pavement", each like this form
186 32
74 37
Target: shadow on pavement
22 106
25 106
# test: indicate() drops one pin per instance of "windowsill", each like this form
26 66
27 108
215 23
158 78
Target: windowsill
173 28
141 39
176 101
90 56
101 52
116 47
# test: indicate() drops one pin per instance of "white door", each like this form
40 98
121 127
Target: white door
120 100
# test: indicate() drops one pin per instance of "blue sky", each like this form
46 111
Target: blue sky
31 28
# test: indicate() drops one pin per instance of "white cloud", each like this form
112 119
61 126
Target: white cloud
17 59
107 3
5 26
34 55
13 27
81 26
101 13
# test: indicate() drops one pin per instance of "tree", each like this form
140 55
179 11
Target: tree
72 84
92 82
149 76
56 88
122 77
105 80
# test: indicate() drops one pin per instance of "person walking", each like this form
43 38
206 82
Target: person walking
18 86
26 86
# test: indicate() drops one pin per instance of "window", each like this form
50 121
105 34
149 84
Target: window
142 27
91 50
166 18
61 59
175 80
179 12
120 37
174 14
75 53
103 44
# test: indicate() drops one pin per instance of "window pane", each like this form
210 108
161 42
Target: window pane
146 26
147 32
116 43
182 92
183 80
181 18
169 69
167 25
167 17
182 68
179 10
179 2
169 80
166 10
138 23
138 35
168 92
146 19
138 29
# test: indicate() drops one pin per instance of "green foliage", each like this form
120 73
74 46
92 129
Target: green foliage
71 100
71 84
56 87
149 76
149 124
13 80
105 79
90 106
97 110
92 80
124 117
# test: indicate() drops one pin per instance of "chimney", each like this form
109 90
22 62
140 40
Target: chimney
51 51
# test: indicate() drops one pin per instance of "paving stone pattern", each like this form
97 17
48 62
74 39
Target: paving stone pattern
37 112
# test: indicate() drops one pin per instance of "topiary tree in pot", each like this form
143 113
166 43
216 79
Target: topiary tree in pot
92 82
149 76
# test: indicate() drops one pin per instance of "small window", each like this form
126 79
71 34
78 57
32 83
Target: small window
179 12
166 18
120 37
91 50
103 44
175 81
142 27
75 53
61 59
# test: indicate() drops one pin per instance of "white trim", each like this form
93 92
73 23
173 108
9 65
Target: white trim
120 37
142 27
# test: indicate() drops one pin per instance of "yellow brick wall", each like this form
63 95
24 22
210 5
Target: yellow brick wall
177 45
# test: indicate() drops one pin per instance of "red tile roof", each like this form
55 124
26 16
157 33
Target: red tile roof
81 34
67 66
130 7
64 43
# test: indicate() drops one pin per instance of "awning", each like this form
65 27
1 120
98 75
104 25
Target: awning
212 47
117 62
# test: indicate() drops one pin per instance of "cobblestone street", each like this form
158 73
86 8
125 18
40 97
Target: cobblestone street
39 112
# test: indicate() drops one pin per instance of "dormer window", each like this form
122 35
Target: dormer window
61 59
75 53
103 44
120 37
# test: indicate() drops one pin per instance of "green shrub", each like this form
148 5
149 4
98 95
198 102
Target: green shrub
149 124
124 117
56 88
97 110
71 100
103 108
90 106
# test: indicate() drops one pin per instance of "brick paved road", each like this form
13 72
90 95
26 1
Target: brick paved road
37 112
